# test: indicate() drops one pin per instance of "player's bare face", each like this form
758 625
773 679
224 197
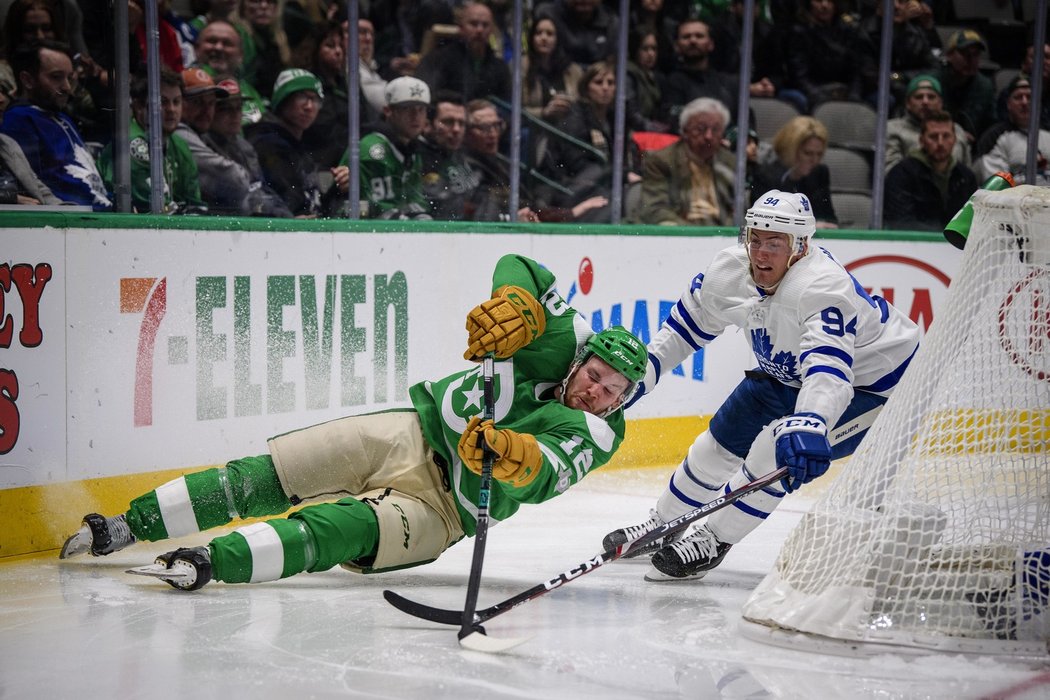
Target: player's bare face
595 387
770 254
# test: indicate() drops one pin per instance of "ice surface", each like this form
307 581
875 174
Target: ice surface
83 628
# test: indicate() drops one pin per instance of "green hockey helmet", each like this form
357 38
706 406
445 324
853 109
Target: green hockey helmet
621 350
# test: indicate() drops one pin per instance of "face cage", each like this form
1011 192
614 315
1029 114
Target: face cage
582 357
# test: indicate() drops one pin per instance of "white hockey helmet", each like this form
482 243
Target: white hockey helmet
782 212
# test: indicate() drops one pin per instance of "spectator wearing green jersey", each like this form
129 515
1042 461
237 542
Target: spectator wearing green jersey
407 481
391 164
182 192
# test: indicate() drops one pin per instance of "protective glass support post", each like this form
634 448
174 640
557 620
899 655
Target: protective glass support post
156 136
353 94
883 110
619 118
1038 59
120 80
743 113
514 201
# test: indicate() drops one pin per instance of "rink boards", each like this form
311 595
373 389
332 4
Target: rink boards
133 354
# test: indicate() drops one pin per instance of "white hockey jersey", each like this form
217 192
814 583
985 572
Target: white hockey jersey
820 331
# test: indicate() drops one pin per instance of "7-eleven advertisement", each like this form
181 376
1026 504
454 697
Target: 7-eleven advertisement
127 351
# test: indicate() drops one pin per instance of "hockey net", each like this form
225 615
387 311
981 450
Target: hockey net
937 533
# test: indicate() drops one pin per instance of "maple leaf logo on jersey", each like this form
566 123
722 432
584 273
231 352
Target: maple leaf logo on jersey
782 365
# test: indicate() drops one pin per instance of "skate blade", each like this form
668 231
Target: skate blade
78 543
654 575
163 572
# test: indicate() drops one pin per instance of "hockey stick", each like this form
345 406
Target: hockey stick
455 617
471 633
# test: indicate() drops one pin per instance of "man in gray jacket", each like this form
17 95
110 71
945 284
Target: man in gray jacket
924 98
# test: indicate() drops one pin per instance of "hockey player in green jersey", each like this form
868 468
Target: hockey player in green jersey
407 481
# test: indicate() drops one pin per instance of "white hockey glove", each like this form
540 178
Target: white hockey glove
802 446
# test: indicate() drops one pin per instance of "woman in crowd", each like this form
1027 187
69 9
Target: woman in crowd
549 87
643 81
800 146
272 55
586 169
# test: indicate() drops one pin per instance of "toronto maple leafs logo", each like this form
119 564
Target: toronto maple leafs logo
83 168
783 365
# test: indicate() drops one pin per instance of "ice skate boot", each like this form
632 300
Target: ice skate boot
99 535
186 568
691 558
625 534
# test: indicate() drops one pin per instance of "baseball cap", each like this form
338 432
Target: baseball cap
1019 81
924 81
233 90
293 80
197 82
965 38
406 91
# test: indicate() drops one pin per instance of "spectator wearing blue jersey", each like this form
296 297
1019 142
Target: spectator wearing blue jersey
50 140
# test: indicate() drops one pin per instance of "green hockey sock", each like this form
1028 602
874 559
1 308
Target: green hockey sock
314 539
245 487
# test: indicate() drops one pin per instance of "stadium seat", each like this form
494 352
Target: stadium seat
850 171
849 124
853 209
770 115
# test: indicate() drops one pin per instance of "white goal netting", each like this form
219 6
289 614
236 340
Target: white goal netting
937 533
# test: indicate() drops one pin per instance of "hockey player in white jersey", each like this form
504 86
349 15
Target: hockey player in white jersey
827 351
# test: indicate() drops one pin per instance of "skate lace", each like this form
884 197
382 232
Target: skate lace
119 530
635 531
700 545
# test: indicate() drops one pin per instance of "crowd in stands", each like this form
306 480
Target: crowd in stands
255 107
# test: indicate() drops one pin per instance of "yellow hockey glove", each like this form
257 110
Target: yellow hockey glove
518 460
504 324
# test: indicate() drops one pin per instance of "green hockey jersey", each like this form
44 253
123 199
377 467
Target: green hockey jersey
572 442
391 178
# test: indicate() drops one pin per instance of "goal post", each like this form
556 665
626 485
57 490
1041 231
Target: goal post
936 535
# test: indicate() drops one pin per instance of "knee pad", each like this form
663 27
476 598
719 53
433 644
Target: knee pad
343 531
410 532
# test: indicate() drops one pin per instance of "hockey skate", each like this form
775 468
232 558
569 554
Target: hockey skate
691 558
99 535
626 534
185 569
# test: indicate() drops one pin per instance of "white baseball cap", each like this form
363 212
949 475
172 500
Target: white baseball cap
406 91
